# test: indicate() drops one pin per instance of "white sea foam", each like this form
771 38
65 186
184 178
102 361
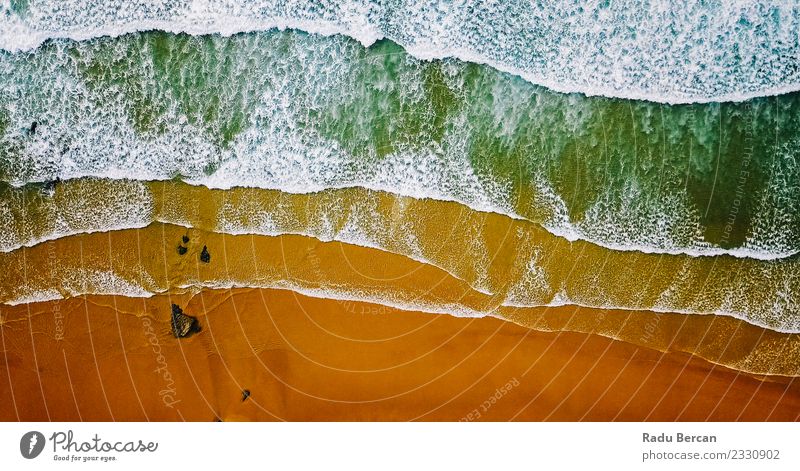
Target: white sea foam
79 207
347 237
86 130
346 298
791 326
608 237
772 305
80 281
671 53
390 298
109 284
38 296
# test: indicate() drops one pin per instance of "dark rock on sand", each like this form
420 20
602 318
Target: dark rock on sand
245 394
205 257
185 239
182 250
183 325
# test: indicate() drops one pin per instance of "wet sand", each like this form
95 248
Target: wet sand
301 358
148 259
490 252
270 353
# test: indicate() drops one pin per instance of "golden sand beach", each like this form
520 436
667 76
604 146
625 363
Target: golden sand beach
303 358
298 328
516 259
143 261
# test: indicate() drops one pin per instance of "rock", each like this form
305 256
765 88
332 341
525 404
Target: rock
182 250
183 325
33 128
205 257
185 239
49 187
245 394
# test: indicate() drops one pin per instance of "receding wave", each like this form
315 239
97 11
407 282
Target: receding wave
300 113
504 262
670 53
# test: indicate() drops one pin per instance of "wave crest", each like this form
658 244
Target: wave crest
669 53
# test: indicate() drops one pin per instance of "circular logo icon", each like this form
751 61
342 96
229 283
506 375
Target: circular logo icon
31 444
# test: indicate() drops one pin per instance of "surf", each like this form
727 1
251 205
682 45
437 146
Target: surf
215 112
655 52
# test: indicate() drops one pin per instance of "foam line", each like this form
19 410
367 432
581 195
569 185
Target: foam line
659 52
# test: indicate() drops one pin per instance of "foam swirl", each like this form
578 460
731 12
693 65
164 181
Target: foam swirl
300 114
663 52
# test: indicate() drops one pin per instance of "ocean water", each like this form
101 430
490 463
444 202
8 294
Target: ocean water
614 155
696 51
143 262
501 261
302 113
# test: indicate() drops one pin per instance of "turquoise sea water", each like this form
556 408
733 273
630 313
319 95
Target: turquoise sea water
302 112
635 126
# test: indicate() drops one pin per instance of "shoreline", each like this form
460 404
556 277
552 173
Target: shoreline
143 262
311 359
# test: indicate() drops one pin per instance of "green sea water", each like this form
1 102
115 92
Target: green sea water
300 112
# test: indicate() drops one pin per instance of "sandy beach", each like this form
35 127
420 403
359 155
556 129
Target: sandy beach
302 358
